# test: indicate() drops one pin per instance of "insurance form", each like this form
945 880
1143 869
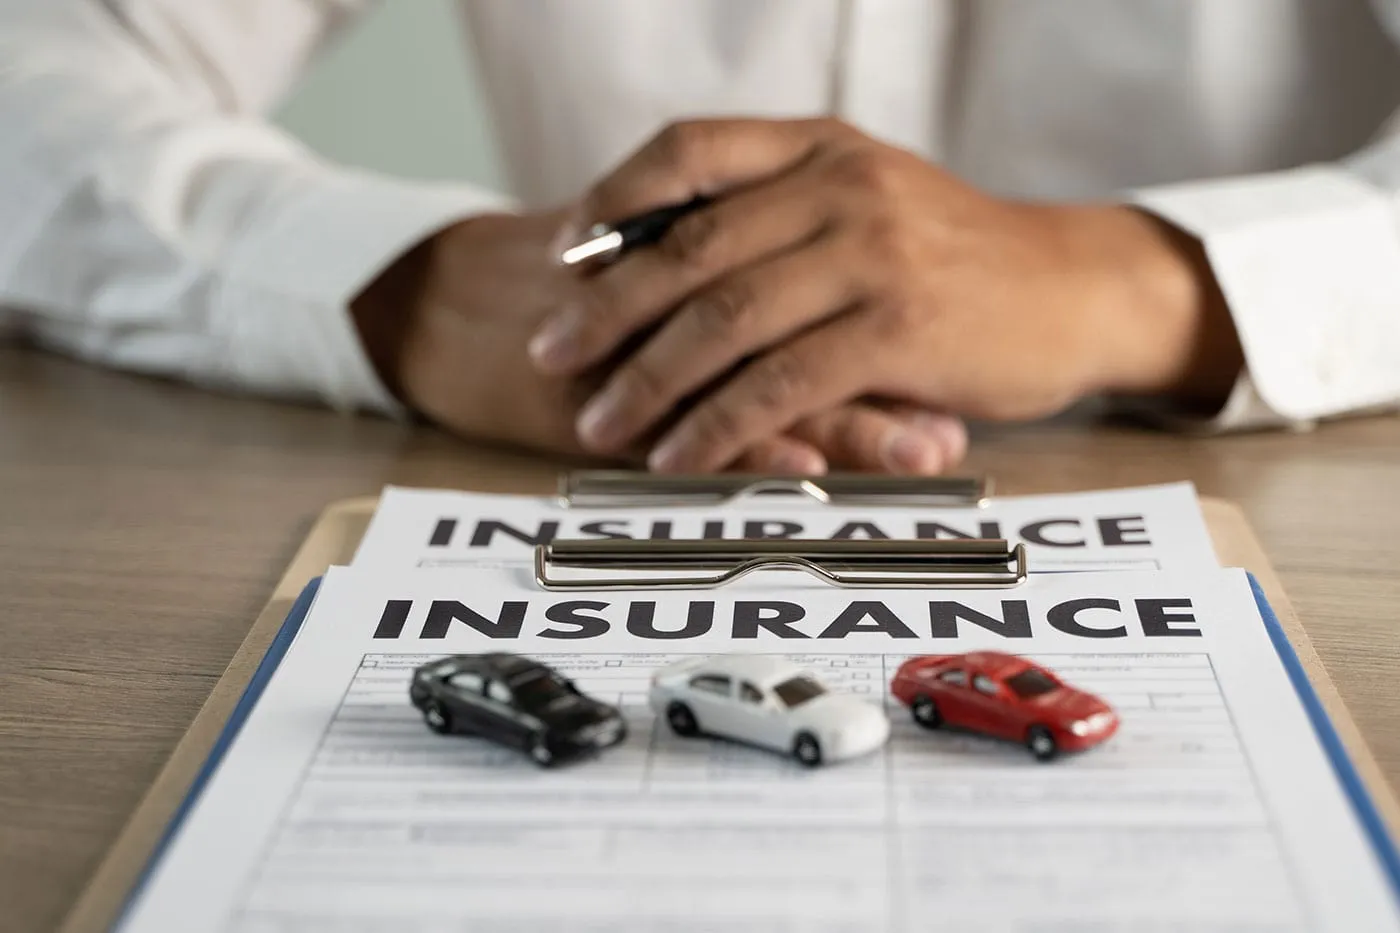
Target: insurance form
1145 528
1215 807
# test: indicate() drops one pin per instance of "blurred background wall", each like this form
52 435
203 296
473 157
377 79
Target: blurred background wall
398 93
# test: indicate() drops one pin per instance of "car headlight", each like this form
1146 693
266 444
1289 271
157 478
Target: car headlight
606 729
1095 723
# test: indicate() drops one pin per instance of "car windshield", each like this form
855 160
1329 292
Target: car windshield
1031 683
798 690
539 689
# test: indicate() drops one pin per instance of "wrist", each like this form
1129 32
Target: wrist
1167 328
384 311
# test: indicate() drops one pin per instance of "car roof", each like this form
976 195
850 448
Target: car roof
492 663
995 663
758 668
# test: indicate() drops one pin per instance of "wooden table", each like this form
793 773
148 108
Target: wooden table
142 526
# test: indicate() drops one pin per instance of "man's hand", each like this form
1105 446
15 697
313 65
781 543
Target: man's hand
833 267
447 326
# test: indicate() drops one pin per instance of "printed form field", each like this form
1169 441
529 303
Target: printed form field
401 829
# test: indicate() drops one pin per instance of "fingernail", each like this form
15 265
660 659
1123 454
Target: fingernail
908 451
600 421
555 344
799 463
949 432
670 454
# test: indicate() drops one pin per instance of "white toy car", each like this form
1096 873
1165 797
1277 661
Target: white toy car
769 702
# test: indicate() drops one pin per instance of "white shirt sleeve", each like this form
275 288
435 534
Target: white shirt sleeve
1309 263
152 220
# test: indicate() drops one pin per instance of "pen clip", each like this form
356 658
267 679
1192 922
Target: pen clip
957 564
606 242
603 245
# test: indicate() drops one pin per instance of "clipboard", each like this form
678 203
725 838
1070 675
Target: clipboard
337 533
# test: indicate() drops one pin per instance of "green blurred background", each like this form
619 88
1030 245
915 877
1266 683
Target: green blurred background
398 93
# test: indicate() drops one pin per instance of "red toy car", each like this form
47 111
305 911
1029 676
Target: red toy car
1004 696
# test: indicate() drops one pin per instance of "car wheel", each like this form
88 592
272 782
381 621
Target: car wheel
540 751
926 712
682 720
1041 742
437 717
807 750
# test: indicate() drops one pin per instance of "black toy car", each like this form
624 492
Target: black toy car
514 701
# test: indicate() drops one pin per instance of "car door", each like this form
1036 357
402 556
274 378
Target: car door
995 714
465 700
711 700
757 717
510 725
949 690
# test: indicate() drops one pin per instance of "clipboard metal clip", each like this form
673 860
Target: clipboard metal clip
627 489
957 564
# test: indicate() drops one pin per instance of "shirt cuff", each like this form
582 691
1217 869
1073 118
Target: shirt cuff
1243 411
282 300
1309 263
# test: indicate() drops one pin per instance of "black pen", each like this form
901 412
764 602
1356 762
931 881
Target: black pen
608 241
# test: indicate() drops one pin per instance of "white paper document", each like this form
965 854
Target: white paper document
1148 528
1213 808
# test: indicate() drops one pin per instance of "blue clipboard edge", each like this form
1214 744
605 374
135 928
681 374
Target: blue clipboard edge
1369 816
276 650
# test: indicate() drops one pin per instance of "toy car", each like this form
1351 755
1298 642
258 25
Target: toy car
768 702
514 701
1003 696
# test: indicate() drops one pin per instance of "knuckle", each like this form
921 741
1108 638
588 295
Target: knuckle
644 380
599 312
884 236
779 378
614 300
836 431
721 312
716 423
827 131
866 169
678 143
692 240
895 250
895 318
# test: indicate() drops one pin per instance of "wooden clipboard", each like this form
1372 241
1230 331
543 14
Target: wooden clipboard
333 540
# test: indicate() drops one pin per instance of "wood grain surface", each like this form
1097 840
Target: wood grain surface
143 526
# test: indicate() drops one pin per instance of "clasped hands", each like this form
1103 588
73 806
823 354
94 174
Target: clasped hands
840 304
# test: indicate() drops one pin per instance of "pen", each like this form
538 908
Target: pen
606 242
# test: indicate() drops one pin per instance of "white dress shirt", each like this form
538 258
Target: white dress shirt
151 219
